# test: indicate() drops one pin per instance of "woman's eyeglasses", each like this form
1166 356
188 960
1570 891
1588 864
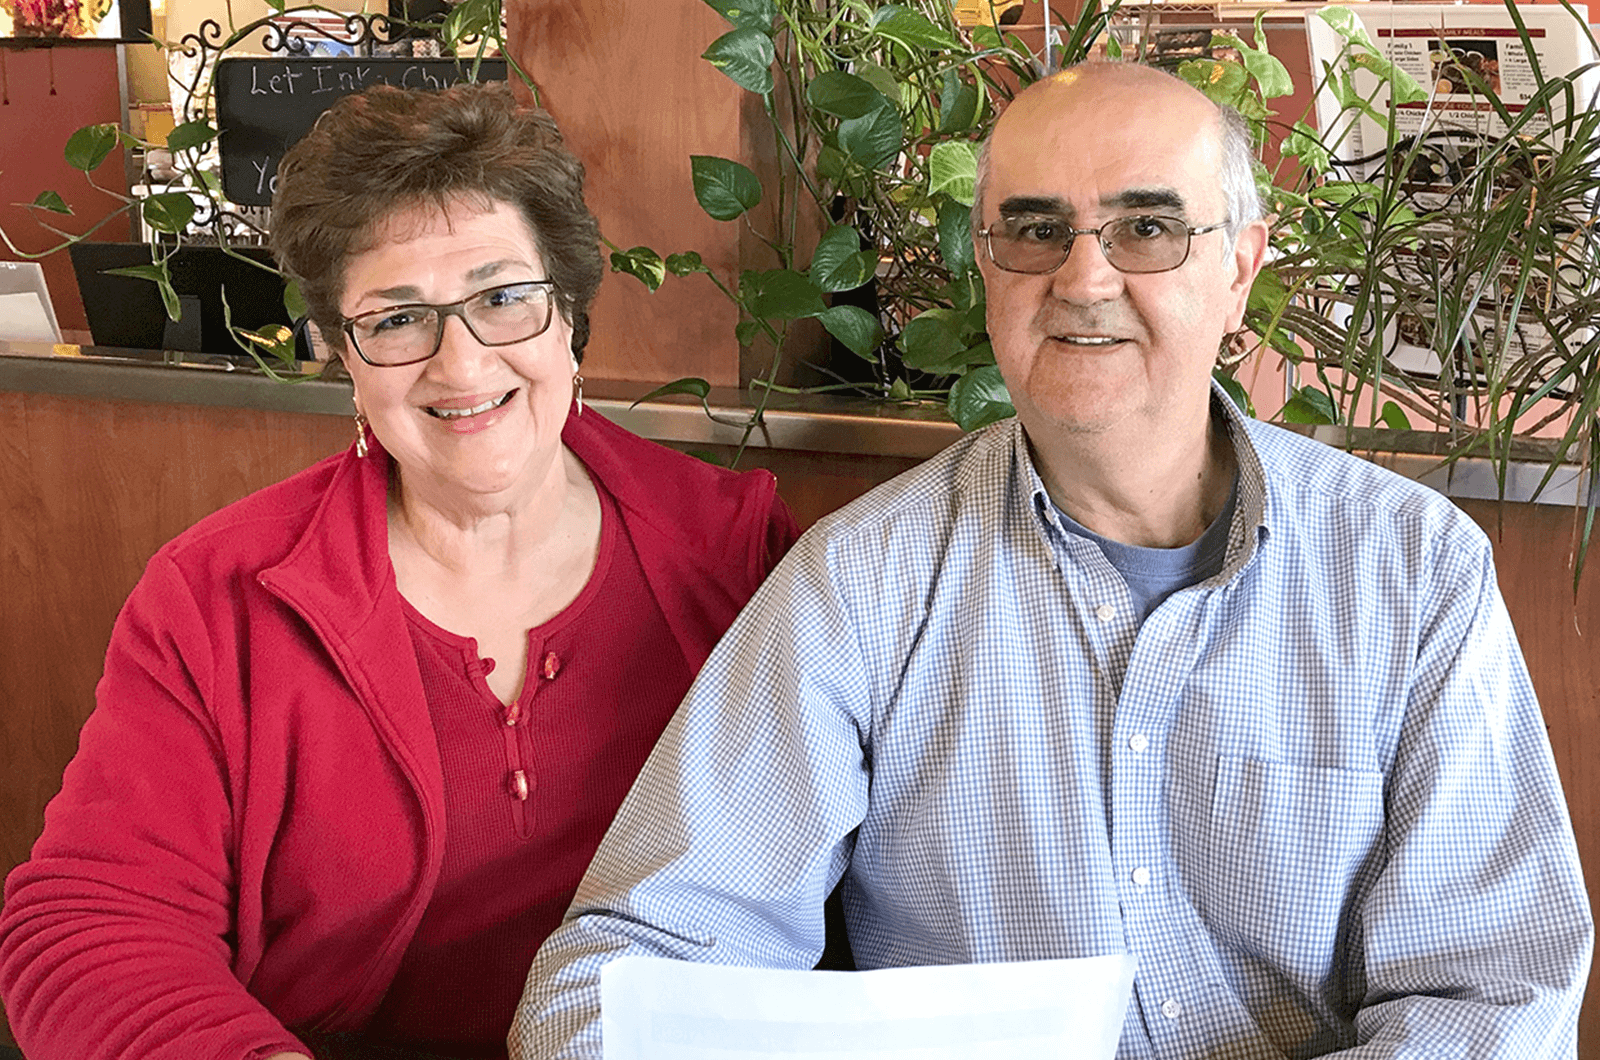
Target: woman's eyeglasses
499 316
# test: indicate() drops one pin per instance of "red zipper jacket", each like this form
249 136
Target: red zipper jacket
253 823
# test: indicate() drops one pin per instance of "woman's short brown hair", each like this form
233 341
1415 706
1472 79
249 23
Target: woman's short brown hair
388 149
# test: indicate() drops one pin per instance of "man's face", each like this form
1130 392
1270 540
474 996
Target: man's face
1087 348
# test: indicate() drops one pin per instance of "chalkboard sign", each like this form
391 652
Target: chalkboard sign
265 105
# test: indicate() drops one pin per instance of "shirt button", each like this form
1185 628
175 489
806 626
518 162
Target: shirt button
1141 876
1105 612
1137 743
1171 1009
552 665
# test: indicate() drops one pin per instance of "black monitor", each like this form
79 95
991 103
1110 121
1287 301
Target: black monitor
127 312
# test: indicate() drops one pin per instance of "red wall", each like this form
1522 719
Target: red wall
46 94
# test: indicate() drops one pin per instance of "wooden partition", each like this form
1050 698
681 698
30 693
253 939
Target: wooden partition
89 489
46 94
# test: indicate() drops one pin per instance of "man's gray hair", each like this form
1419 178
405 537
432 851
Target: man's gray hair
1238 176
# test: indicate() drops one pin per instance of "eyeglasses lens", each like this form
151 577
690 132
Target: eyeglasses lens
499 316
1131 244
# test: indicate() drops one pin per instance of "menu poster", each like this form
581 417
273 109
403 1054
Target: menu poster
1437 44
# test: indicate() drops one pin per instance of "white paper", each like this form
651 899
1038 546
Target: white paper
23 319
654 1009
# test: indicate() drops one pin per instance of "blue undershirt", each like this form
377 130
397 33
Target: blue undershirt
1153 574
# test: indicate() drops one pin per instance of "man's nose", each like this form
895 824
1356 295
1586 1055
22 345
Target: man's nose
1086 276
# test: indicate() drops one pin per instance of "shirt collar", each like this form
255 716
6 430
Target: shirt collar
1250 517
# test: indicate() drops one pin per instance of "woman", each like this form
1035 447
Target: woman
360 733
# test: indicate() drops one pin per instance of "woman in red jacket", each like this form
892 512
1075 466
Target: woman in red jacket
360 733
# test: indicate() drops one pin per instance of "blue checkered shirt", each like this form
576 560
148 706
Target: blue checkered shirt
1312 794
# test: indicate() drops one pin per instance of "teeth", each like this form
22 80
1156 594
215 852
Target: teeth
1090 340
456 414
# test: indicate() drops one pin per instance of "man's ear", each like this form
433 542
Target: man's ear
1249 254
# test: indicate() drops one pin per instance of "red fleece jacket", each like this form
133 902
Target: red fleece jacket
253 824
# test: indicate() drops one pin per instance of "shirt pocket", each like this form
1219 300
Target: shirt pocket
1287 843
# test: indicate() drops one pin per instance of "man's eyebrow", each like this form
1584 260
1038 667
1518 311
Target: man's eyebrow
1144 199
1025 204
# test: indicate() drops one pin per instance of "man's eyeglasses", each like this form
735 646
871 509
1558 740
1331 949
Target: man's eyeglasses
1138 244
499 316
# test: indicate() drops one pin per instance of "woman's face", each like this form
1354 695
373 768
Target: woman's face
520 393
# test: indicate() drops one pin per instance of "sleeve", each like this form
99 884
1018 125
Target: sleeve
741 822
115 935
1475 938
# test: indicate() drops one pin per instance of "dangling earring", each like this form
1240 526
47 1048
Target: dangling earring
361 435
577 391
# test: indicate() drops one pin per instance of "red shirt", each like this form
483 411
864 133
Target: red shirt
529 790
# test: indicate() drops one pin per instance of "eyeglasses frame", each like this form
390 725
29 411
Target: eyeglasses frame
1074 233
451 309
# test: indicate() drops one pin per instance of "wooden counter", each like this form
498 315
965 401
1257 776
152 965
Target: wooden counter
103 460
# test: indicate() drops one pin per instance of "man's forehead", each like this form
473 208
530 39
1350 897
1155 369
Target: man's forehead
1106 143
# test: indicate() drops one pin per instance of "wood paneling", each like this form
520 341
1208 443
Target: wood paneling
88 491
626 83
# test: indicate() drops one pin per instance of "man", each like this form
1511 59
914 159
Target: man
1129 673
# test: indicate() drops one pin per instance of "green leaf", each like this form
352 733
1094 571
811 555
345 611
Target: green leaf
910 28
755 14
1272 79
49 200
685 264
781 294
169 211
470 18
724 188
842 95
1234 390
745 331
89 146
980 398
156 273
953 169
294 303
839 263
1402 86
1394 416
642 263
1268 294
1113 48
958 104
874 139
931 337
1222 80
878 78
981 353
746 55
277 340
955 239
858 329
1304 143
900 390
985 38
831 163
1347 24
190 134
1310 405
688 385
